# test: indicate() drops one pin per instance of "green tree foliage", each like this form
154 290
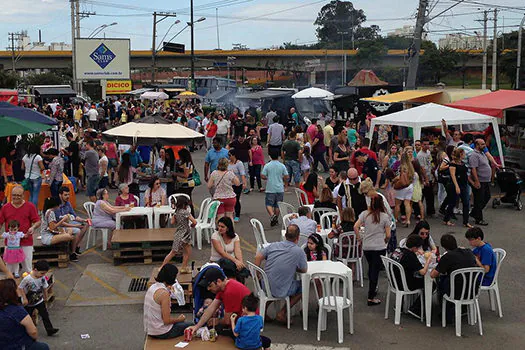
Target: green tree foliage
338 16
8 80
435 63
370 53
53 77
507 59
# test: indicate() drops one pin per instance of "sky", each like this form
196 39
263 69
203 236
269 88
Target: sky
254 23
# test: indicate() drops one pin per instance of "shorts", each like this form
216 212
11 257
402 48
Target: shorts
112 163
295 288
272 199
227 205
405 193
383 146
92 185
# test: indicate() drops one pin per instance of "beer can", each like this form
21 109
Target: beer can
188 334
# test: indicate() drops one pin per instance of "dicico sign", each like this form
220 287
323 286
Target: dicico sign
115 87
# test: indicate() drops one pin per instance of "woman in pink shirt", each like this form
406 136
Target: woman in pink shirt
111 153
256 163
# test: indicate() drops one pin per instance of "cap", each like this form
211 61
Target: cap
211 275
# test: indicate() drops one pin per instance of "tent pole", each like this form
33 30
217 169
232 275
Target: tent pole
371 133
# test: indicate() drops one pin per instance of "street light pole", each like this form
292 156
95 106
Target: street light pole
343 58
518 64
192 79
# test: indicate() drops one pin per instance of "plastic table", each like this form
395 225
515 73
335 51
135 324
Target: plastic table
136 211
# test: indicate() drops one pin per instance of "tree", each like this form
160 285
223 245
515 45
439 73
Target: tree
8 80
48 78
435 63
370 53
338 16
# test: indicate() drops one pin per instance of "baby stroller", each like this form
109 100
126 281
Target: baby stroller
199 294
509 183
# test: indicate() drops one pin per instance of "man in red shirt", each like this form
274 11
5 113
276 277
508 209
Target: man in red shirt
228 292
371 154
26 214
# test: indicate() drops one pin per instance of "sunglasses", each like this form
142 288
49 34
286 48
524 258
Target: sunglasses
353 178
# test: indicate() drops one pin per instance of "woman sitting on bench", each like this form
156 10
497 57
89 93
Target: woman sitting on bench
158 322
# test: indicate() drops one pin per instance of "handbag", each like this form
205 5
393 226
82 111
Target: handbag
26 183
196 177
401 181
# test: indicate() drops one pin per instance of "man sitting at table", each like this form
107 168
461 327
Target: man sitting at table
455 259
306 224
77 224
228 292
283 260
414 270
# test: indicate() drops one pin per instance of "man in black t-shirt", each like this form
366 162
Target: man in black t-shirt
414 270
239 125
455 259
242 149
349 192
370 167
73 153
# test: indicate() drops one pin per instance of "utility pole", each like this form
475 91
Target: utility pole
192 79
13 48
495 51
484 74
73 45
217 22
343 58
518 63
418 33
154 40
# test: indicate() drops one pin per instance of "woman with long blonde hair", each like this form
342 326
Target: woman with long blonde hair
405 192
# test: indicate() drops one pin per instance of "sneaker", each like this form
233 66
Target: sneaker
16 275
236 219
246 191
77 251
73 257
274 220
52 331
482 223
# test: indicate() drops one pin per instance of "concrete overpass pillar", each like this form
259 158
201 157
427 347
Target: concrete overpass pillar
312 78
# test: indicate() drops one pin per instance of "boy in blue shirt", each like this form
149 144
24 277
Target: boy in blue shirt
247 329
485 256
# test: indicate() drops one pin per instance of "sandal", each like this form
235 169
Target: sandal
468 225
448 223
185 270
373 302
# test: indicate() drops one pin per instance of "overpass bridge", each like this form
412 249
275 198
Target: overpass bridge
290 60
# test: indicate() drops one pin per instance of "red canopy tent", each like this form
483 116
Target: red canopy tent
493 103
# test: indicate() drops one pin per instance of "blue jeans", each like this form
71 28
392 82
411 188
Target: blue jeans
34 190
55 187
38 346
294 170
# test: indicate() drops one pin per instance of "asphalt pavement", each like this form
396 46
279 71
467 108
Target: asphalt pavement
111 326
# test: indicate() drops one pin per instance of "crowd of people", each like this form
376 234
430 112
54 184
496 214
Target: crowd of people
374 189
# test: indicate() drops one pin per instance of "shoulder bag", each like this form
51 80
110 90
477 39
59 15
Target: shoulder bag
26 183
401 181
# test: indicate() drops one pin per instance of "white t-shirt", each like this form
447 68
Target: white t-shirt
223 126
35 170
103 160
228 248
92 115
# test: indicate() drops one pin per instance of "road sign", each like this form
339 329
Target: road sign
312 63
172 47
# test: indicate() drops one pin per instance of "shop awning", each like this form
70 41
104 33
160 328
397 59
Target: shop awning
402 96
493 103
54 91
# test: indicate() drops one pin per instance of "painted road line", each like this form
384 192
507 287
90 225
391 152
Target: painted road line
253 248
67 289
99 281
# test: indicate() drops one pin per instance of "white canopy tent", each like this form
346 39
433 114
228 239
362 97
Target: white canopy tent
312 92
154 95
430 115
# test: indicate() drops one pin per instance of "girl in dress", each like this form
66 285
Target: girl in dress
181 218
315 250
13 254
306 162
388 189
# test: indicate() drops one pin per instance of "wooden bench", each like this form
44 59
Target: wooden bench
57 254
141 245
223 343
186 282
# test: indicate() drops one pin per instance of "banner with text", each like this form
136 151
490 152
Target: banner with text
99 59
116 87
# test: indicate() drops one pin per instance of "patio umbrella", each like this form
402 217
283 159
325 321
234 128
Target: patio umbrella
153 130
13 126
312 93
27 114
188 95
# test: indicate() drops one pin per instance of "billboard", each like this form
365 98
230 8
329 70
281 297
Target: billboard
100 59
117 87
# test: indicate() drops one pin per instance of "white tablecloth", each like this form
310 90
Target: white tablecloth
320 267
136 211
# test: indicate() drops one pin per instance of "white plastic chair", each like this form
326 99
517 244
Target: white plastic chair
401 290
285 208
263 291
327 247
89 207
327 219
493 289
287 218
205 202
137 199
469 295
208 223
175 195
258 231
302 197
353 255
335 297
318 212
